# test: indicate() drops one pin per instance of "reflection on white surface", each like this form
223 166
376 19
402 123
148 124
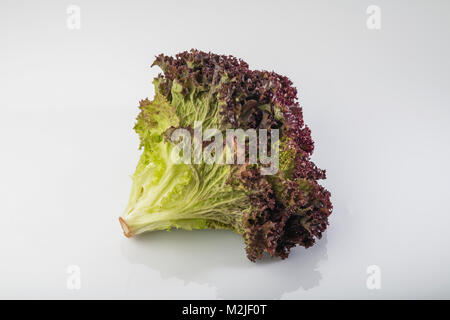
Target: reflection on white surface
217 258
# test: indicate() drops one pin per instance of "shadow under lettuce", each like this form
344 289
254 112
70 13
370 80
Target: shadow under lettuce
217 258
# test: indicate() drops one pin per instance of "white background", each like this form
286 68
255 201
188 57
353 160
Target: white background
377 102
